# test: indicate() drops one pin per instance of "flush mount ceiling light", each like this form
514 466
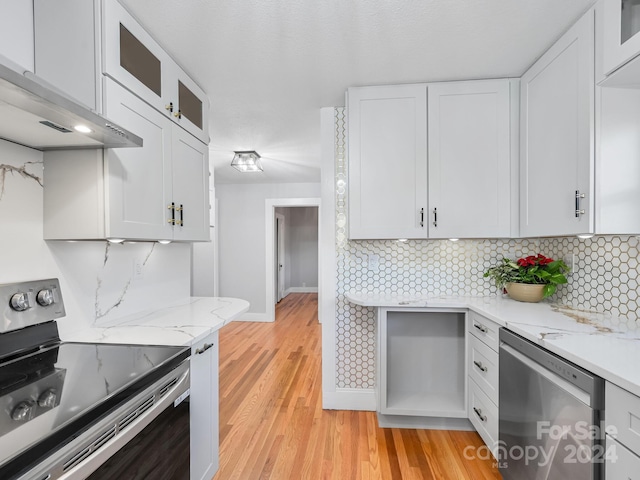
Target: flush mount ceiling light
246 161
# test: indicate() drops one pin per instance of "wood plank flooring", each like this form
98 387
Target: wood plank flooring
272 425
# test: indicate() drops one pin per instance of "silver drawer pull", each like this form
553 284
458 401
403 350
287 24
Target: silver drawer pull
206 347
482 418
480 327
480 366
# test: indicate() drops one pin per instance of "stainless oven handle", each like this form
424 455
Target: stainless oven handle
569 387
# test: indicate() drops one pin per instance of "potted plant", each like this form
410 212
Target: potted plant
529 279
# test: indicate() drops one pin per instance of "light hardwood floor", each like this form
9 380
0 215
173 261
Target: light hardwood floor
272 424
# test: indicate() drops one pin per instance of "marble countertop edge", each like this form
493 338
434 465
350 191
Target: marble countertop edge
587 338
183 323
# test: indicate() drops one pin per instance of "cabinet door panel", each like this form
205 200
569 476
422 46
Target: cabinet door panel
190 171
204 408
469 159
387 161
66 47
138 180
133 58
621 33
191 104
557 146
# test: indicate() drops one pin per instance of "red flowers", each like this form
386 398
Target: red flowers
533 260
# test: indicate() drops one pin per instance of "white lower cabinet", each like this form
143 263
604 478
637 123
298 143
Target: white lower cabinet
621 463
422 369
483 368
483 414
622 418
204 408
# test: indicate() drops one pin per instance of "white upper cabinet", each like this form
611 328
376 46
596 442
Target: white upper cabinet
16 35
157 192
557 137
621 33
135 60
78 41
138 187
387 162
463 188
190 188
470 159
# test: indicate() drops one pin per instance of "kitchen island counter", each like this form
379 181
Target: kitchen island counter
182 323
595 341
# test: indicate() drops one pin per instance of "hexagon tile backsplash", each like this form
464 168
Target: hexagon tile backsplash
605 280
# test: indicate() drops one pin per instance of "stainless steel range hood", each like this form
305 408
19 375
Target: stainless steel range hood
35 115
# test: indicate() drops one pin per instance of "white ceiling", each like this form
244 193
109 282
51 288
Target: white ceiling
268 66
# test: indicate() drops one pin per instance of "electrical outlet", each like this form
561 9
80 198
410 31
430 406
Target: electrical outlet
374 262
571 259
138 269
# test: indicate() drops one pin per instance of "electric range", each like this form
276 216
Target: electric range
62 405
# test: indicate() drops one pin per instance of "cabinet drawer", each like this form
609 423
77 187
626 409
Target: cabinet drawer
623 416
483 414
621 463
484 329
483 367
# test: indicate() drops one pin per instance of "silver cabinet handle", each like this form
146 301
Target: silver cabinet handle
478 411
206 347
579 211
422 217
480 366
435 217
480 327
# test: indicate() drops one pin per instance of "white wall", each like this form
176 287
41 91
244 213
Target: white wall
302 247
16 34
241 238
96 278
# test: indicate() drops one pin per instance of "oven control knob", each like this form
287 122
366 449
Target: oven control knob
23 411
45 297
20 302
48 398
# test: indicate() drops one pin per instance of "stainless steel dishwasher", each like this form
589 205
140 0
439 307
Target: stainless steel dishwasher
550 415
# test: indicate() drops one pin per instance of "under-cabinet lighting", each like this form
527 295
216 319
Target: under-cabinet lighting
82 129
115 240
585 235
246 161
402 240
454 239
164 242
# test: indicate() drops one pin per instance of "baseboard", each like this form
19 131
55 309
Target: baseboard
300 290
424 423
350 399
253 317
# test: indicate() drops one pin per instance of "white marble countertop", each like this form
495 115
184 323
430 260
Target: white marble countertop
183 323
586 338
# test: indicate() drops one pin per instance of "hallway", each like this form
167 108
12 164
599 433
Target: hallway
272 424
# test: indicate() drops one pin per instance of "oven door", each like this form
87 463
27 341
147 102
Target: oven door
548 427
128 435
160 451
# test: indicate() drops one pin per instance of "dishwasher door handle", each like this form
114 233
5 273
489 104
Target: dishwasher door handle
569 387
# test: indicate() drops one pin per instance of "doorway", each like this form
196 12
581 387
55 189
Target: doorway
296 222
281 261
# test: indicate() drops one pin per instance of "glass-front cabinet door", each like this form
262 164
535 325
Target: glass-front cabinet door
133 59
621 32
192 105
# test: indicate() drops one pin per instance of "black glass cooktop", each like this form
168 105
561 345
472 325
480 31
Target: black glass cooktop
49 390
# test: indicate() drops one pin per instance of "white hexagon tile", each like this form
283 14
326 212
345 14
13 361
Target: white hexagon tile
606 279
